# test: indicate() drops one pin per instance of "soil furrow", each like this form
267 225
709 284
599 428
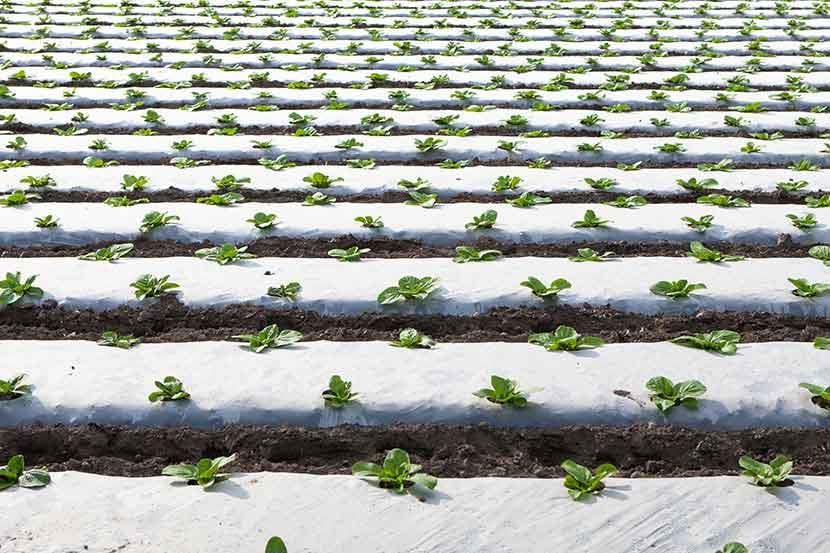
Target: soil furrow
170 321
446 451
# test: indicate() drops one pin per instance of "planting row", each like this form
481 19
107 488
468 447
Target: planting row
446 183
539 124
694 515
421 78
108 57
311 40
279 152
79 224
423 286
473 101
412 380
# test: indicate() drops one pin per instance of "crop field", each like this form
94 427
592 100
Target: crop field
414 276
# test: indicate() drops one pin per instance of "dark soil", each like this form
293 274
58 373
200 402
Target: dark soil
446 451
170 321
394 248
277 195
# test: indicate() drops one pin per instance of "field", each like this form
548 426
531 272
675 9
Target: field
572 257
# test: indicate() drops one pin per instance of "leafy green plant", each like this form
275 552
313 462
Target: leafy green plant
528 199
704 254
287 291
156 219
466 254
13 289
263 221
700 225
541 290
113 339
412 339
339 393
396 473
149 286
806 289
803 223
675 289
108 253
627 202
14 473
13 388
205 473
18 198
590 220
720 200
221 200
369 221
353 253
733 547
503 392
666 395
581 482
320 180
587 254
224 254
821 396
47 222
169 389
774 474
422 199
720 341
564 338
275 545
408 288
318 198
270 337
486 220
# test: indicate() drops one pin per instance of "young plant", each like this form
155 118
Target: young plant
503 392
666 395
627 202
408 288
485 221
422 199
149 286
675 289
412 339
287 291
368 221
113 339
169 389
700 225
320 180
541 290
205 473
590 220
564 338
156 219
14 472
13 388
13 289
270 337
263 221
224 254
733 547
396 473
704 254
108 253
719 341
318 198
774 474
587 254
581 482
276 545
339 393
528 199
806 289
803 223
720 200
466 254
821 396
18 198
47 222
351 254
221 200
